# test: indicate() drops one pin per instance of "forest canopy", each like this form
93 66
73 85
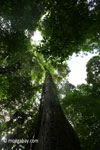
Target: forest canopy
66 27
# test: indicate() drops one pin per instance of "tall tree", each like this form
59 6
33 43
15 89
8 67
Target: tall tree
55 132
67 27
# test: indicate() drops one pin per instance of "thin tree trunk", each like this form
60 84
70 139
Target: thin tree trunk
55 131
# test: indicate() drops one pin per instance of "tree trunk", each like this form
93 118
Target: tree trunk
55 132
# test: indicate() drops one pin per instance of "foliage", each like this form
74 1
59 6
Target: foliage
67 27
19 87
70 26
93 74
21 15
82 111
81 107
93 71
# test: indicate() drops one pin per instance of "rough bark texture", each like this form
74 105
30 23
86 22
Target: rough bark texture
55 132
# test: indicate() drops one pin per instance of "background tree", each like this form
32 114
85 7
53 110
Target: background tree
82 111
81 107
93 73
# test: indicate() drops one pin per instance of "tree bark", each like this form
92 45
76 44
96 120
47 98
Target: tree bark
55 132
